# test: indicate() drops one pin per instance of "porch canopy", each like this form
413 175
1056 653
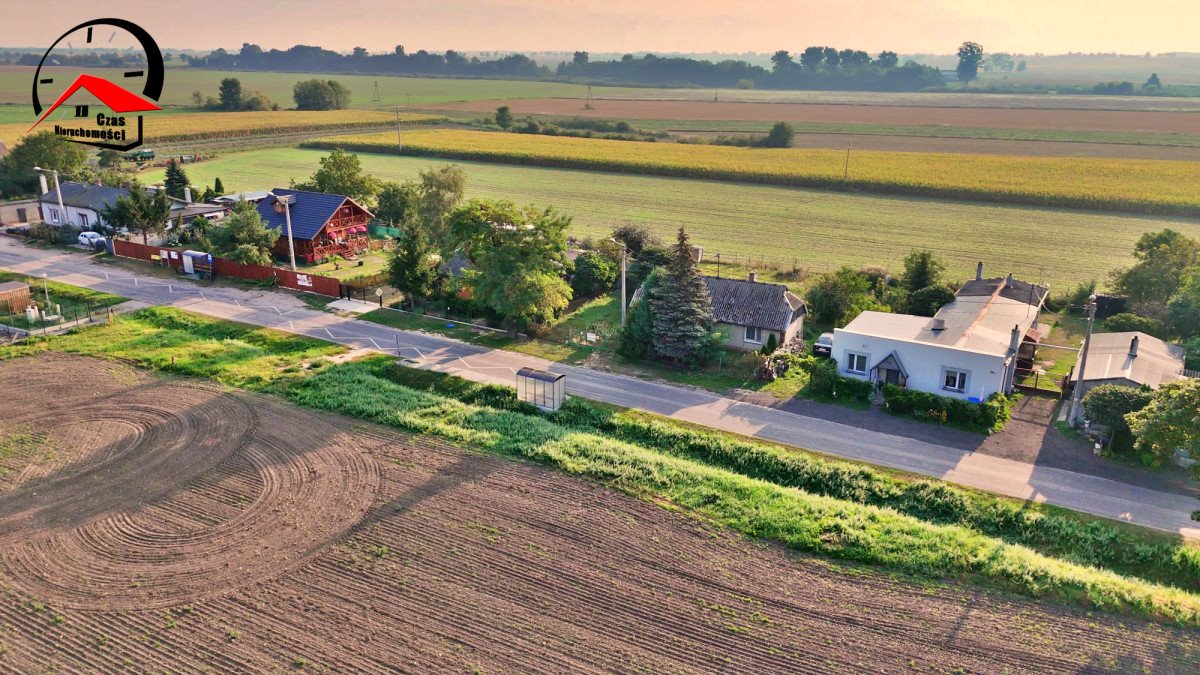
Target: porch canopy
890 364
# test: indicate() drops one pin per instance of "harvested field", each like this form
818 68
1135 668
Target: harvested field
1005 118
398 552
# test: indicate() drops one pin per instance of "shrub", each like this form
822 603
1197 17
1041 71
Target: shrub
927 301
1191 350
1126 322
824 381
771 345
987 416
594 274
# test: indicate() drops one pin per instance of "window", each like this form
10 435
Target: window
954 380
22 217
753 334
54 215
83 220
856 363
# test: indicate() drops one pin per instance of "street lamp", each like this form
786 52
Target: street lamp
623 250
1077 394
57 191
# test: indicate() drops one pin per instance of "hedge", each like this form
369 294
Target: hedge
988 416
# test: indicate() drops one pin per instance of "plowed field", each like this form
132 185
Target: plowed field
1003 118
161 524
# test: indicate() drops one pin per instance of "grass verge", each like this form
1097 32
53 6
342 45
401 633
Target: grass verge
792 498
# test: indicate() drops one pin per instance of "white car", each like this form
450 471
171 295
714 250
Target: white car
90 239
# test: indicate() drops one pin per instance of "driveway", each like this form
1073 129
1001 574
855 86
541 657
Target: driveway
924 452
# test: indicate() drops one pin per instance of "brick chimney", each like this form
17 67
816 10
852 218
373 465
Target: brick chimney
1014 342
753 276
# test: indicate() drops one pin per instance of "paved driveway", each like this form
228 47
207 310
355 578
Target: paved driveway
283 311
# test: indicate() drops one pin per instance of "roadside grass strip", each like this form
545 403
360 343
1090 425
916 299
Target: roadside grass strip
670 471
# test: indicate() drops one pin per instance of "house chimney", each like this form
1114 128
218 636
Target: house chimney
187 194
979 271
1133 346
1008 281
753 276
938 324
1015 341
42 180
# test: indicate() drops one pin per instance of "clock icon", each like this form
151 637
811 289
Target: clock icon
127 89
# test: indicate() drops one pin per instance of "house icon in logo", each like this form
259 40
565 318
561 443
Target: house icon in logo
108 128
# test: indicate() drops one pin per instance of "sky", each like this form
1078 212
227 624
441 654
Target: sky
911 26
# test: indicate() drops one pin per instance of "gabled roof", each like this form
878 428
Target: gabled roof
84 195
753 303
1156 363
310 211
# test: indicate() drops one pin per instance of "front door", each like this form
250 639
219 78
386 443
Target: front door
891 376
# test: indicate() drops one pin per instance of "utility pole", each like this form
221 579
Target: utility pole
1077 393
718 264
287 209
57 192
623 253
846 174
399 143
376 96
46 290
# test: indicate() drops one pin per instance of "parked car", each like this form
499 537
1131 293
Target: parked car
90 239
823 346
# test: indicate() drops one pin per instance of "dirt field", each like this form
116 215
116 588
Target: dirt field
1006 118
158 524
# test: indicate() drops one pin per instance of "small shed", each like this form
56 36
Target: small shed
543 389
14 296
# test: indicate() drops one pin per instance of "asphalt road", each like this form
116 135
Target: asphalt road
284 311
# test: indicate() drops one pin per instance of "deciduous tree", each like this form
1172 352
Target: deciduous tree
922 269
1171 421
1162 257
139 211
44 150
504 117
231 94
341 173
244 236
970 57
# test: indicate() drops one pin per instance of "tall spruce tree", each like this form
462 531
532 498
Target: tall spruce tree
218 187
176 180
682 309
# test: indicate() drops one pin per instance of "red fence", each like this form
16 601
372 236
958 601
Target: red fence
298 281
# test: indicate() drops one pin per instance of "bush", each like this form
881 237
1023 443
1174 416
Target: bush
1126 322
927 301
988 416
1191 350
771 345
1108 404
824 381
594 274
1073 300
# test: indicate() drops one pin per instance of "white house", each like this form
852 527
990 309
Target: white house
970 349
82 204
1131 359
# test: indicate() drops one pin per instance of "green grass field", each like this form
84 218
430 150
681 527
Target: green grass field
816 229
179 83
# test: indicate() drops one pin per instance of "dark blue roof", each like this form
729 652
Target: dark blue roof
310 212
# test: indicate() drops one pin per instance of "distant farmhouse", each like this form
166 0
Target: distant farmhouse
82 203
971 349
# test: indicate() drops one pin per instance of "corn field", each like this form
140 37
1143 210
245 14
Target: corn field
1142 186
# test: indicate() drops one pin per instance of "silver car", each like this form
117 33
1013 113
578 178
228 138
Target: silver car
823 346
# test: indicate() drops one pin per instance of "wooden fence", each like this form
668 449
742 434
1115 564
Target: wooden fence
171 257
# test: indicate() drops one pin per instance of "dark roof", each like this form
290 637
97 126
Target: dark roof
310 211
84 195
753 303
1021 291
457 264
535 374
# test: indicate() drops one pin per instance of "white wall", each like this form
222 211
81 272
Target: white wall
74 216
925 363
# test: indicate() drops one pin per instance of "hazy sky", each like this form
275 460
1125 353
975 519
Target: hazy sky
930 26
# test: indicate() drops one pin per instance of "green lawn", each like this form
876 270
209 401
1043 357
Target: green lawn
818 230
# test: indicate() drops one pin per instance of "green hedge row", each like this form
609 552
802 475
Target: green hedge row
988 416
1090 542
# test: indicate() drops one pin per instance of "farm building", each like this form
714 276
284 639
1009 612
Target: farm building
971 349
18 212
749 312
1130 359
323 225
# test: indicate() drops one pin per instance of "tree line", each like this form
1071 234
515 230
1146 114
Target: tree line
305 58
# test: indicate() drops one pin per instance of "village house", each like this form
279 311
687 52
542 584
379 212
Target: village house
1130 359
971 349
82 204
19 212
749 311
322 225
